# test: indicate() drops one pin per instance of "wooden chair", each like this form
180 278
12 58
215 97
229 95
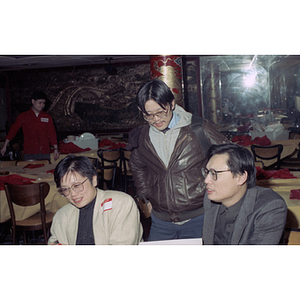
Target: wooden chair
28 195
292 162
268 153
110 160
126 171
96 163
33 162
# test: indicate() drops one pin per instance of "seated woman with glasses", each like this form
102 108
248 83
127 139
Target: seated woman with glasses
93 216
236 211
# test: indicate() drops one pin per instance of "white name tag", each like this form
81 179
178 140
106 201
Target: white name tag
106 204
46 120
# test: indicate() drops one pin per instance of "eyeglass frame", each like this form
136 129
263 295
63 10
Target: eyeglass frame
69 188
166 111
213 173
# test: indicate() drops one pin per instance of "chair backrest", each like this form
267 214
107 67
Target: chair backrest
27 195
96 163
126 169
267 152
126 158
109 159
33 162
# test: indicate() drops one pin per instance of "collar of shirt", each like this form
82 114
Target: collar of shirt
233 210
85 232
174 121
89 206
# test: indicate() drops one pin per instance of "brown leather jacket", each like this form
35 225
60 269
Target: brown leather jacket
176 192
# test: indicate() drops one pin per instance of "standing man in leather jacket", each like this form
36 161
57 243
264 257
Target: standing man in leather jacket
167 164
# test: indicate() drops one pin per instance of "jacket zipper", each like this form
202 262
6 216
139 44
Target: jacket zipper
151 149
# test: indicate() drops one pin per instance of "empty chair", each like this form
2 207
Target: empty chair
28 195
268 153
33 162
110 165
292 162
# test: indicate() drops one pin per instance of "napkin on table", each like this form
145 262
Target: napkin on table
66 148
245 140
14 179
112 145
281 173
295 194
33 166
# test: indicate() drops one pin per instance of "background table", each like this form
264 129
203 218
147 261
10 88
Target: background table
91 153
289 146
283 187
53 201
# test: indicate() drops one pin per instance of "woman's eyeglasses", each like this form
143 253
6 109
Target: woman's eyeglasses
213 173
77 188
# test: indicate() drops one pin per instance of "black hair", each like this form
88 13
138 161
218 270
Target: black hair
240 159
72 163
38 95
155 90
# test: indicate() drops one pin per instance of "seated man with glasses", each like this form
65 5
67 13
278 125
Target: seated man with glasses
93 216
236 211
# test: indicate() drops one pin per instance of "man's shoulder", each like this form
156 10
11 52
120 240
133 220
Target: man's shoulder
265 196
24 114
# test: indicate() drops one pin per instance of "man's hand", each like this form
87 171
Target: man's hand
56 154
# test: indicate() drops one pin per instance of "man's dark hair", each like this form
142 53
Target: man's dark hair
72 163
240 160
38 95
155 90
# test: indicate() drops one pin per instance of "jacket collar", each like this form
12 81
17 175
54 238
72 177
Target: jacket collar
240 223
242 219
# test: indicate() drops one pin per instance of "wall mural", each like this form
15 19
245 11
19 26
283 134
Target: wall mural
83 98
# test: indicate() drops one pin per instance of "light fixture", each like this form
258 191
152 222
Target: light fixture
249 80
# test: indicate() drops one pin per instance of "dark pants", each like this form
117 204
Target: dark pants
162 230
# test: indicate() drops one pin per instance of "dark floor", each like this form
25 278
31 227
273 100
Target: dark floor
33 238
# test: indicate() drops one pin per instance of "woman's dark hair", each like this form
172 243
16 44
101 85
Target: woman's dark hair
155 90
72 163
240 159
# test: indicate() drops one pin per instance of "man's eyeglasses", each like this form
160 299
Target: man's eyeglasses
161 114
213 173
77 188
